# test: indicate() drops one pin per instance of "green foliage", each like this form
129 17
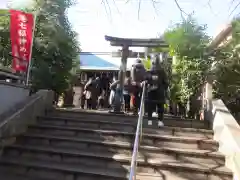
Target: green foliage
5 44
55 48
147 63
55 55
227 67
187 41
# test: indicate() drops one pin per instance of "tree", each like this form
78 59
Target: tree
187 41
226 71
147 63
5 44
227 67
55 47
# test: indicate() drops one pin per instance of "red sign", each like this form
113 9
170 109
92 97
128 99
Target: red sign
21 34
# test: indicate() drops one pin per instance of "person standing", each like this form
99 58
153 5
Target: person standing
105 89
156 90
92 92
82 95
126 92
96 90
88 89
138 73
113 87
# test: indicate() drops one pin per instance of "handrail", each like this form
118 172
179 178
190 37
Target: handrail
138 136
24 105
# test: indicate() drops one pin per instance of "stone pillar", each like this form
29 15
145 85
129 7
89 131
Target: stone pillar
123 67
208 96
121 76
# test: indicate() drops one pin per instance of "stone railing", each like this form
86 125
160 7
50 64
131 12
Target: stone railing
15 120
227 134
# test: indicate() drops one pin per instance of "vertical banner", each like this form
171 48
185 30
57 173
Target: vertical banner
21 34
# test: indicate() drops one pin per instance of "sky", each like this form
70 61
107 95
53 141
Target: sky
93 19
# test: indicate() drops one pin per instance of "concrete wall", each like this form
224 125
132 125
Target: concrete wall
223 37
16 120
227 134
10 94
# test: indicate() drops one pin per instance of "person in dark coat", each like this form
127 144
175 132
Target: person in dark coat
138 71
105 90
92 92
88 90
138 74
127 91
156 90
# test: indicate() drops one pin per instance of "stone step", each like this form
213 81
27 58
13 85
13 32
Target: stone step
110 146
178 131
112 117
98 144
56 170
118 147
107 122
14 176
104 135
169 120
65 121
83 123
8 174
92 114
148 139
82 155
173 131
165 175
43 169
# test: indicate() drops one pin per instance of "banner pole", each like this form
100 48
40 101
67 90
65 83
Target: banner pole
30 56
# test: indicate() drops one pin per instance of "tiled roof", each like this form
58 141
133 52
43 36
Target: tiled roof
102 61
93 61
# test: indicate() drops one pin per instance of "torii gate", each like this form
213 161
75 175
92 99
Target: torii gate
125 43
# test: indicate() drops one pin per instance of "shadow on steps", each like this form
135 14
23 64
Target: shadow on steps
47 153
98 147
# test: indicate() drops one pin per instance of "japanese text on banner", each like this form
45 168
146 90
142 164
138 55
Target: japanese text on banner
21 26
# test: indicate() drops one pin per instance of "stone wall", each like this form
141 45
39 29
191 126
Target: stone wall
11 94
16 119
227 133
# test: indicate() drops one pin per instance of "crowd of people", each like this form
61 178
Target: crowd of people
99 91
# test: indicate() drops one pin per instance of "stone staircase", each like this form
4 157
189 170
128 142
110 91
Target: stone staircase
66 145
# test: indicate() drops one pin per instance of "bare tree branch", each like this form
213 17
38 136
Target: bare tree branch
181 10
139 7
114 2
109 8
210 7
106 4
154 6
127 1
231 4
234 8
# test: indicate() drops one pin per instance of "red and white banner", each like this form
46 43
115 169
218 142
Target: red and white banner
21 34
